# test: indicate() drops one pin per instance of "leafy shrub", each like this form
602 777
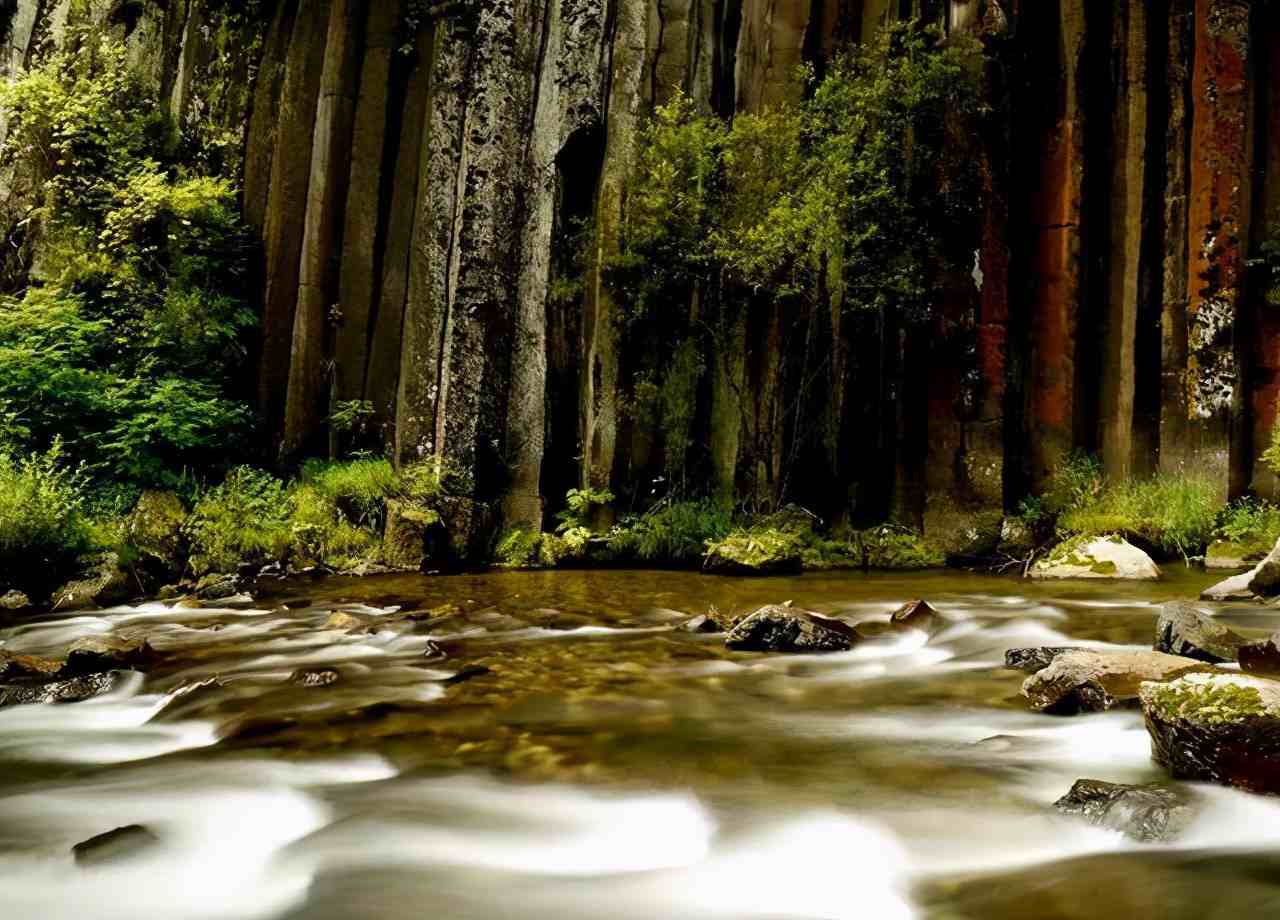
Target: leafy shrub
43 526
1251 524
756 549
1076 482
245 519
128 340
518 548
578 505
672 533
358 489
891 547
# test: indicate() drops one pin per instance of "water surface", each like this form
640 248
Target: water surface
549 744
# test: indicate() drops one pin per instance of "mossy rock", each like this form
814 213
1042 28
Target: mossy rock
1220 728
963 534
1229 554
1097 557
895 549
154 529
755 552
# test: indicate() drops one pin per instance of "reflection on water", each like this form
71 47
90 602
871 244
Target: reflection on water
553 745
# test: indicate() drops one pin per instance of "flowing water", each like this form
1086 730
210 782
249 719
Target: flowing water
548 745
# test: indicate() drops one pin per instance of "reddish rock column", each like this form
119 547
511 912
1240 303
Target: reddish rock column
1219 212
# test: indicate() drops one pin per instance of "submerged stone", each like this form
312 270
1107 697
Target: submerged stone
314 677
1184 629
1084 680
94 654
1097 557
68 690
115 845
1146 813
785 629
1220 728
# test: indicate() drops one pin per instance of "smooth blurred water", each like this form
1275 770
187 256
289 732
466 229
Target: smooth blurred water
604 762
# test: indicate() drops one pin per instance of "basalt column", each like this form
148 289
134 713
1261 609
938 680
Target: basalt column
1219 213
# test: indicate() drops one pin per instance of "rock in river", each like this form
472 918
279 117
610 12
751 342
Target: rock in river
1261 657
114 846
1220 728
1084 680
1185 629
918 615
1265 580
94 654
1147 813
786 629
70 690
1235 588
1097 557
1031 660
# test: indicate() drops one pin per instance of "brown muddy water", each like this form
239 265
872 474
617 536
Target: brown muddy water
606 764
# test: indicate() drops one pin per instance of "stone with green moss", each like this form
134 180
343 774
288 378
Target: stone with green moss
1096 557
1216 727
767 551
1232 554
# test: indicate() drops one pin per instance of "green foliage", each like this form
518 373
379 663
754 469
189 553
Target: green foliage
126 342
1271 456
1175 514
858 192
43 525
578 505
1267 266
1207 703
891 547
357 489
1251 524
518 548
1076 482
757 549
673 533
245 519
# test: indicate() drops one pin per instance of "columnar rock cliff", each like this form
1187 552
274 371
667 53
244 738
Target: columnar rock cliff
415 170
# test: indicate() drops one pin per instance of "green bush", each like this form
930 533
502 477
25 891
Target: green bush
128 340
1250 524
43 525
245 519
891 547
675 533
1174 514
359 489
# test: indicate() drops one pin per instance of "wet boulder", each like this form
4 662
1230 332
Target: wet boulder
918 615
1097 557
1184 629
314 677
68 690
1148 813
25 667
1265 580
1219 728
1235 588
95 654
102 584
755 552
219 586
1084 680
1031 660
347 622
1261 657
776 628
705 623
114 846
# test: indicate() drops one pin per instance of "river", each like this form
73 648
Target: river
551 745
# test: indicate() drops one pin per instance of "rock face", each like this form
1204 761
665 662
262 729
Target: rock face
96 654
417 174
1184 629
1147 814
1265 580
1097 557
1089 681
1223 554
785 629
1220 728
103 585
